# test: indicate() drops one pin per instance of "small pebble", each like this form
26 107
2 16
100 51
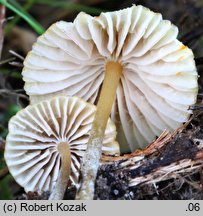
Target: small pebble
116 192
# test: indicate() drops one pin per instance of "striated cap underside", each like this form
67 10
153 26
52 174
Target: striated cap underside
159 80
31 151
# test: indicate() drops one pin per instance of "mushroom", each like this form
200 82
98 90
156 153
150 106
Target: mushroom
158 74
145 72
46 142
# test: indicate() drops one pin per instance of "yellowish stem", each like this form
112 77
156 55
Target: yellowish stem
94 148
62 181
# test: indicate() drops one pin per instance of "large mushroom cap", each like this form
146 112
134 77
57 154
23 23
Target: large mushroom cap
31 150
159 80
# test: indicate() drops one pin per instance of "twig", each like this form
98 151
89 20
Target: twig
2 19
9 92
7 60
170 157
162 140
16 64
16 55
167 172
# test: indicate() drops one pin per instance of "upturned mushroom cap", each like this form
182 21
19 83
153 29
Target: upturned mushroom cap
31 151
159 80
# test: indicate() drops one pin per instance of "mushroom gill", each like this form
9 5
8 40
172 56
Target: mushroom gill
157 81
40 133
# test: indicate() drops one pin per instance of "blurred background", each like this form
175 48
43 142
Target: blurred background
17 35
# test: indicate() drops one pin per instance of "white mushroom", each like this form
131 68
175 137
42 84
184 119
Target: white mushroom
135 56
42 134
158 74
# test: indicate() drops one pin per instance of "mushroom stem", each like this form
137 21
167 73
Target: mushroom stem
94 148
63 178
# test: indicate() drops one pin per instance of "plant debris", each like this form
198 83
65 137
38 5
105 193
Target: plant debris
178 165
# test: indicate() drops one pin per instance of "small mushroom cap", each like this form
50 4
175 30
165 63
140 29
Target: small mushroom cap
159 80
31 151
